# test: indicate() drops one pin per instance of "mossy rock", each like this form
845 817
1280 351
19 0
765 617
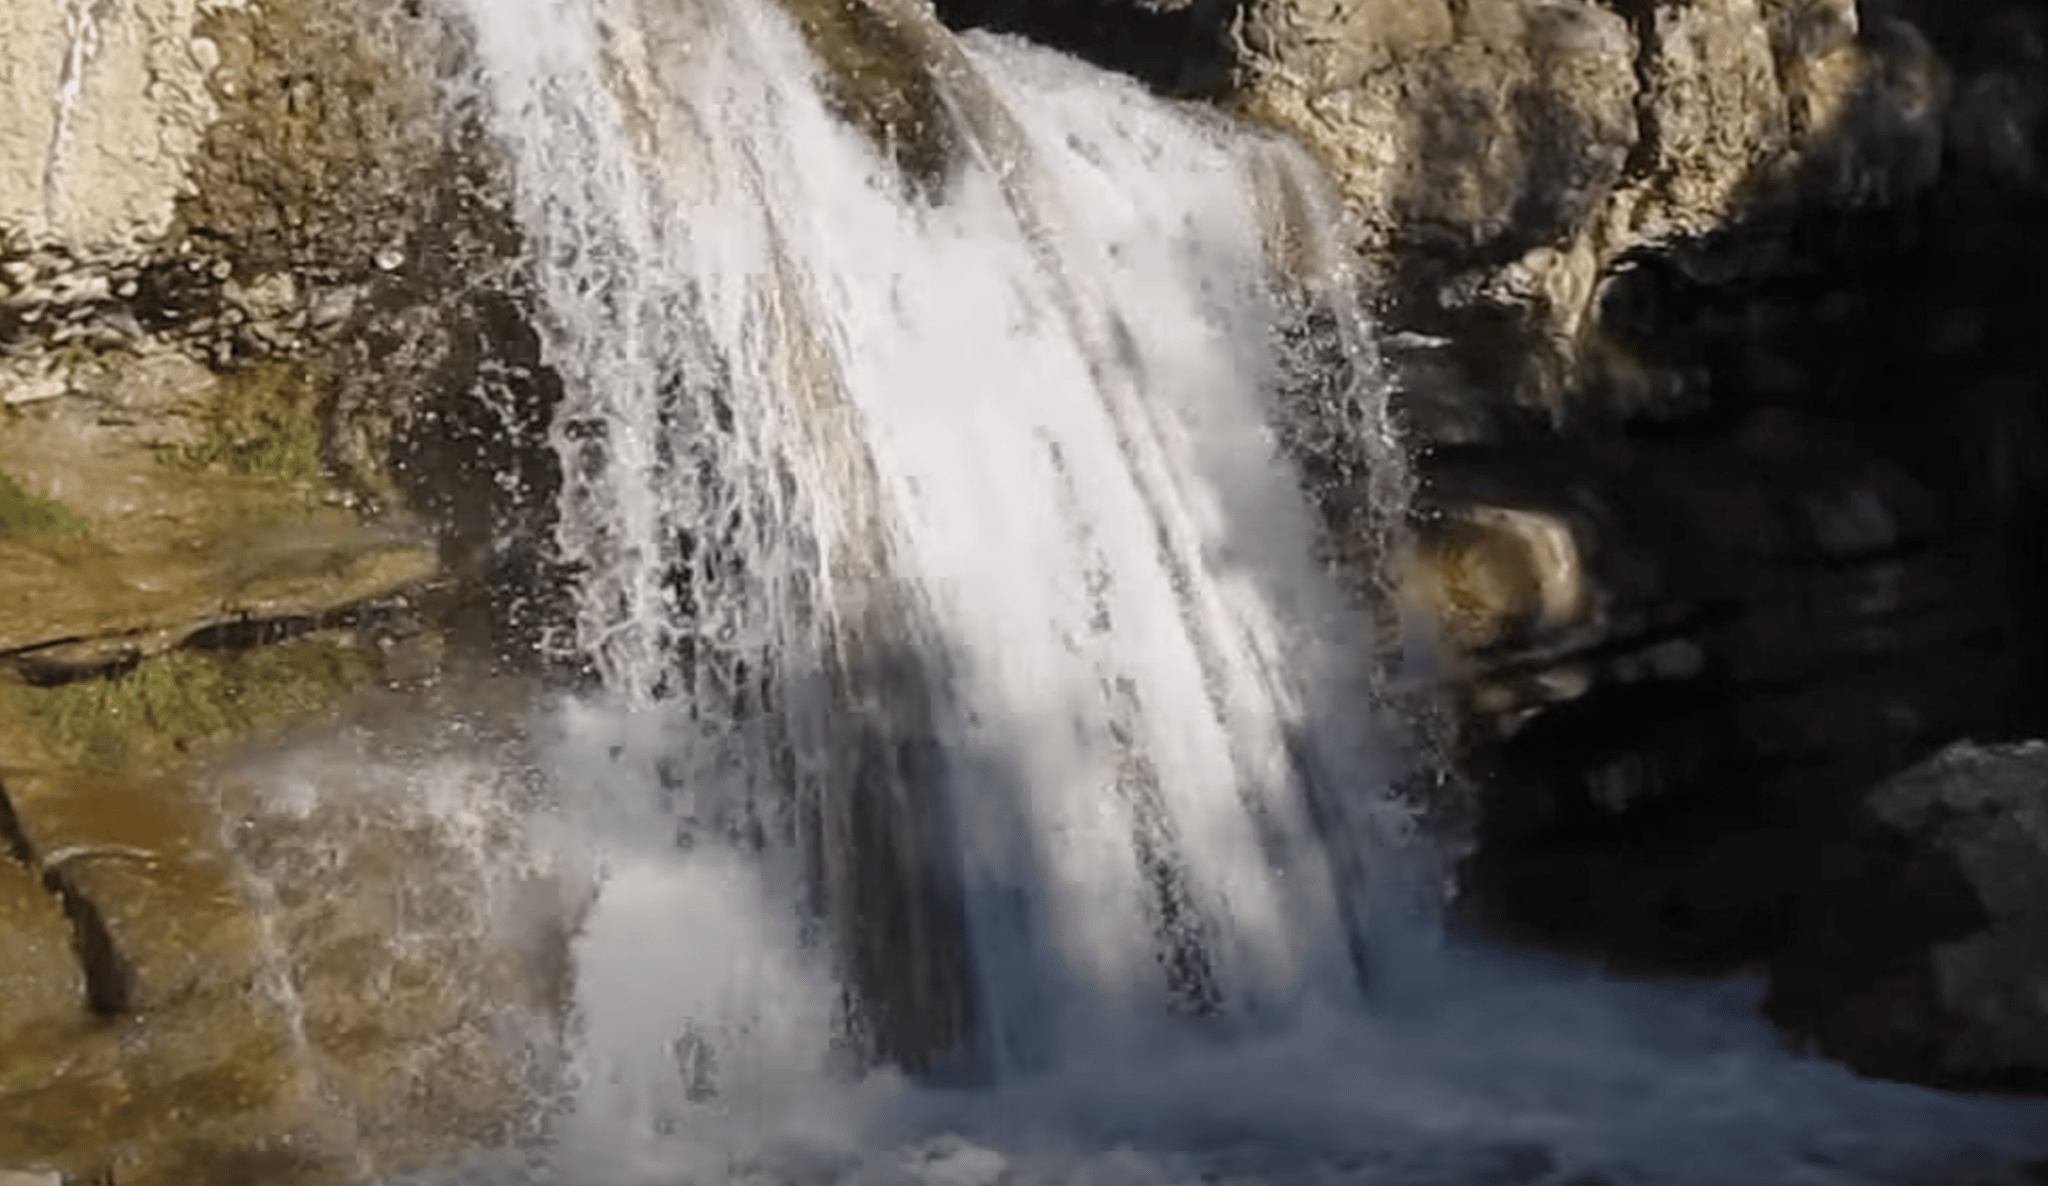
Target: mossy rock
265 421
183 702
25 517
328 133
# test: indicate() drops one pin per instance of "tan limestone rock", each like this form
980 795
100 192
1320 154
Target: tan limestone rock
102 107
42 990
163 913
1513 125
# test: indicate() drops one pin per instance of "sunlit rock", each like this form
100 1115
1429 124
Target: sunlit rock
143 870
1493 575
102 110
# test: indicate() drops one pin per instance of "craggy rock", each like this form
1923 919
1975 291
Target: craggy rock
1680 662
1922 951
1504 158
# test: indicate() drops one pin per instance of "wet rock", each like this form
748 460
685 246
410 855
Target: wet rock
1922 950
145 877
41 983
161 500
342 982
425 950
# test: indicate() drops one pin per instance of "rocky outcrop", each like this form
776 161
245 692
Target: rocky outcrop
261 341
1504 158
1682 661
258 306
1922 950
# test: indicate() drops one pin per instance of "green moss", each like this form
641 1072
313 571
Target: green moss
74 355
23 516
265 423
176 703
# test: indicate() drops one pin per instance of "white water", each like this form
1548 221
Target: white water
939 553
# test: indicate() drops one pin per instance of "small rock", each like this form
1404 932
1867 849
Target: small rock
1495 574
31 1178
332 308
34 389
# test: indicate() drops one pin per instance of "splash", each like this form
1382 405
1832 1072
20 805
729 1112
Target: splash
982 774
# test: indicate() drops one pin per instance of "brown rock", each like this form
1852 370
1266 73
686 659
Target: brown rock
167 522
161 913
42 990
173 930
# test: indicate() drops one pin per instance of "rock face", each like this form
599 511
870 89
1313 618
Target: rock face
214 981
242 423
1922 952
101 111
1505 158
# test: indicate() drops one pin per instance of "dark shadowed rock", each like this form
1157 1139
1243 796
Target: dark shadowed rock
1921 951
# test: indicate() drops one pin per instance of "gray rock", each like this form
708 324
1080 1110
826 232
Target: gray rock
1922 952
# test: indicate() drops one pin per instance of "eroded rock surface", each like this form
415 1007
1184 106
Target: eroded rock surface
1922 952
102 109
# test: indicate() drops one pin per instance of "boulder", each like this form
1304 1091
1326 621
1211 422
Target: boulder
1921 949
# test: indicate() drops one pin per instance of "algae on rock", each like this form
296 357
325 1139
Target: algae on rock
23 516
170 706
264 423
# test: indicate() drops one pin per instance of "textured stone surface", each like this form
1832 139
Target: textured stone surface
143 866
1504 158
352 984
1923 950
102 109
42 990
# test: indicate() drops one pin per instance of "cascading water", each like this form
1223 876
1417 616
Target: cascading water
967 697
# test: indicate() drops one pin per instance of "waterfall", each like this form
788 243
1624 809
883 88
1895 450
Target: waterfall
974 744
